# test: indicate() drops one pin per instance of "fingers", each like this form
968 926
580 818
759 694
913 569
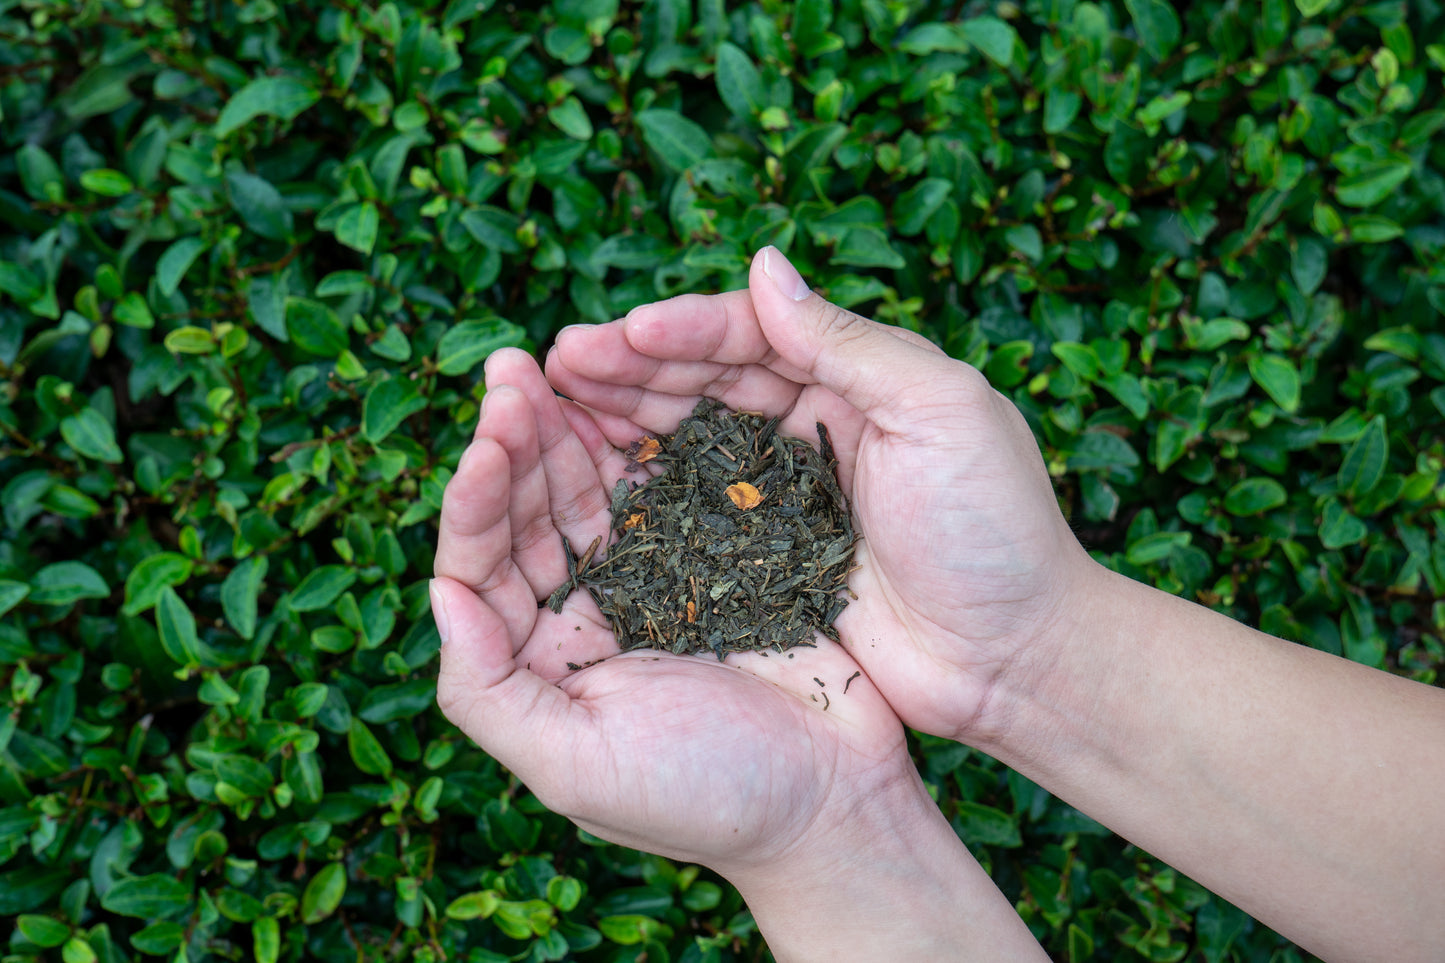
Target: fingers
651 367
474 545
876 369
556 489
515 715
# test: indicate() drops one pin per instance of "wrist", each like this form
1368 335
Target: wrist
888 880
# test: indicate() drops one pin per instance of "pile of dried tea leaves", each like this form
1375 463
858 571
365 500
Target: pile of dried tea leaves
742 543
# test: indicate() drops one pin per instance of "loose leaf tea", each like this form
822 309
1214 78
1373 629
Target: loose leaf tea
742 543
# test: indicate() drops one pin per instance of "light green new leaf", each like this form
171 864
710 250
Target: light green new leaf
323 893
106 182
91 435
283 97
266 939
42 930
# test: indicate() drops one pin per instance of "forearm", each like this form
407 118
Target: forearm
1304 788
894 883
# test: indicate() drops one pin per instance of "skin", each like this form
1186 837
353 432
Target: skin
735 765
1302 787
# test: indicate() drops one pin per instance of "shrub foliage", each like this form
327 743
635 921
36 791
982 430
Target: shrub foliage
255 253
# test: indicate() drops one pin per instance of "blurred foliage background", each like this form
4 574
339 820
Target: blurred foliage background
253 255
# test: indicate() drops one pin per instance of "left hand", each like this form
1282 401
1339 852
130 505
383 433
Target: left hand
736 765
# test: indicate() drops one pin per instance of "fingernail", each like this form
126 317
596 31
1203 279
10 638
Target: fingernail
782 273
439 610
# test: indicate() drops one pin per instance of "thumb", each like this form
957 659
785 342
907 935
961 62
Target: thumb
877 369
505 708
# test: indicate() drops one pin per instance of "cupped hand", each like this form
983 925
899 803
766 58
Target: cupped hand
966 564
735 765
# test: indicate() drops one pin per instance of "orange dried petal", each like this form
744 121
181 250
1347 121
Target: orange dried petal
692 611
744 496
647 449
634 520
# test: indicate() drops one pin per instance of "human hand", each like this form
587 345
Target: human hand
742 766
966 563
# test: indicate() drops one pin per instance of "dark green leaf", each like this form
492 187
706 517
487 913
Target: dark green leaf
156 896
1157 25
469 343
680 142
260 205
358 226
1365 462
314 327
62 583
387 405
323 893
1278 376
92 436
365 751
177 627
281 96
994 37
400 701
176 261
321 587
144 583
738 82
1253 496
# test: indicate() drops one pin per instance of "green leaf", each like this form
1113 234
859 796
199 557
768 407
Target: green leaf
358 225
315 328
266 939
322 587
994 37
260 205
366 751
177 628
866 247
1253 496
571 118
920 202
42 930
283 97
250 776
133 311
144 583
1157 25
403 700
39 174
387 404
1156 547
738 82
1365 462
680 142
92 436
1280 379
468 344
159 939
19 283
323 893
471 906
106 182
62 583
12 593
1372 185
176 261
156 896
1311 7
1373 229
1339 528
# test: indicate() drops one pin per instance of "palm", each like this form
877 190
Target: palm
652 751
955 533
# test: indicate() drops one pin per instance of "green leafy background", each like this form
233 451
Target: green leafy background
254 254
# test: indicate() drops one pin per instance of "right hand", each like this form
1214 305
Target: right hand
966 563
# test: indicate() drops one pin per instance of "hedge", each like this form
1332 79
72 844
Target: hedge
256 252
